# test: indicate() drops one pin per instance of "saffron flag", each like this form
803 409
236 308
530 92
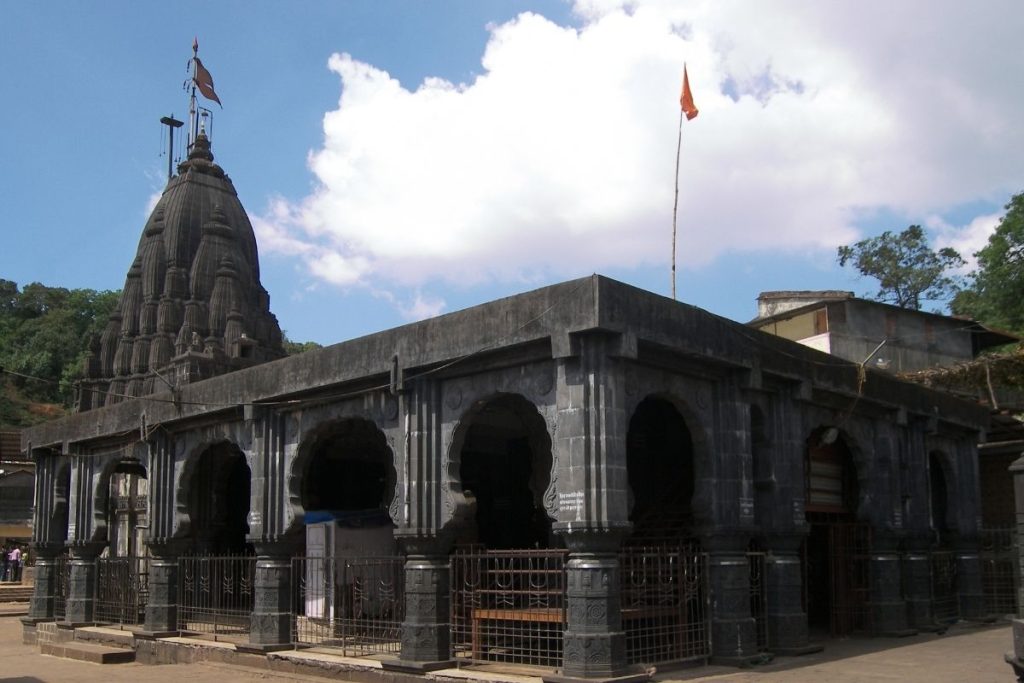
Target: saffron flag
686 99
204 81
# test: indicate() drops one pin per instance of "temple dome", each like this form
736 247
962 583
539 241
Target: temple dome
196 267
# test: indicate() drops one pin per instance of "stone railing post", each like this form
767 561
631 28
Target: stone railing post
272 617
162 605
44 590
888 608
787 620
733 631
917 570
426 631
81 600
594 645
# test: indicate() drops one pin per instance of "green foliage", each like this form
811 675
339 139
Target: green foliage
909 272
292 348
995 294
44 334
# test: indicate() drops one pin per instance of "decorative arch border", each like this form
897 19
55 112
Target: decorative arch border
193 445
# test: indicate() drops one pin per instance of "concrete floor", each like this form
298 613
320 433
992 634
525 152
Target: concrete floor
965 654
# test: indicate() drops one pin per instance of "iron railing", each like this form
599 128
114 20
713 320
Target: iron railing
356 605
122 589
62 574
945 599
215 594
1000 570
665 604
508 606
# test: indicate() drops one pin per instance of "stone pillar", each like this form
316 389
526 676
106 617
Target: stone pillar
917 575
887 608
783 585
733 631
81 600
271 620
162 606
1016 657
969 588
426 631
40 606
594 643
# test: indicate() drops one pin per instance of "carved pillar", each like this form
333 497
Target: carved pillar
271 533
426 631
888 609
917 575
49 531
783 585
1016 658
593 490
271 620
162 605
40 607
733 631
594 643
969 587
81 600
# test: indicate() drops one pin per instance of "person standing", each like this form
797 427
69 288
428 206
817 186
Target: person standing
15 561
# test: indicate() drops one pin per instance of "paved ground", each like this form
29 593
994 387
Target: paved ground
962 655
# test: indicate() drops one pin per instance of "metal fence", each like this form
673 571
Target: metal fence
1000 570
357 605
665 604
508 606
62 574
122 589
215 594
945 600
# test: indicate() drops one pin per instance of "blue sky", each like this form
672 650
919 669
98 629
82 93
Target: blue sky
401 159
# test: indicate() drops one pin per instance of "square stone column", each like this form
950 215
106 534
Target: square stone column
594 643
969 586
733 631
272 617
81 600
162 605
887 607
41 604
917 568
426 631
783 585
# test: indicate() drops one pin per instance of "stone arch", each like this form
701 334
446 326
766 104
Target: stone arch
836 502
214 493
344 473
114 470
942 501
502 439
665 459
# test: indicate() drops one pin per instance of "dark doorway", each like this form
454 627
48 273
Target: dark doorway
659 460
219 501
505 468
348 469
837 550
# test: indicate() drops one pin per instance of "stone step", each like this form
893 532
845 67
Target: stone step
105 636
88 652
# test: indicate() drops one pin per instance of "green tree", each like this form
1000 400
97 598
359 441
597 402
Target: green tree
45 332
909 272
995 292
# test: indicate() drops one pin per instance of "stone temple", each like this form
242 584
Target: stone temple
588 478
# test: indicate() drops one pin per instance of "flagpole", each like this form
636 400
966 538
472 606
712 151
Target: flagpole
675 203
193 112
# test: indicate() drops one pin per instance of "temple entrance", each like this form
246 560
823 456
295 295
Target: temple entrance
505 470
219 501
350 593
122 572
837 550
945 598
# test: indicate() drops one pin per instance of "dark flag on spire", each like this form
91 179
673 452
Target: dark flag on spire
204 81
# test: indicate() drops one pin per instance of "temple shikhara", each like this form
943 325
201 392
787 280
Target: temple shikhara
588 478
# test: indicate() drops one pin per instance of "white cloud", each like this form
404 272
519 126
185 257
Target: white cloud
967 239
558 159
